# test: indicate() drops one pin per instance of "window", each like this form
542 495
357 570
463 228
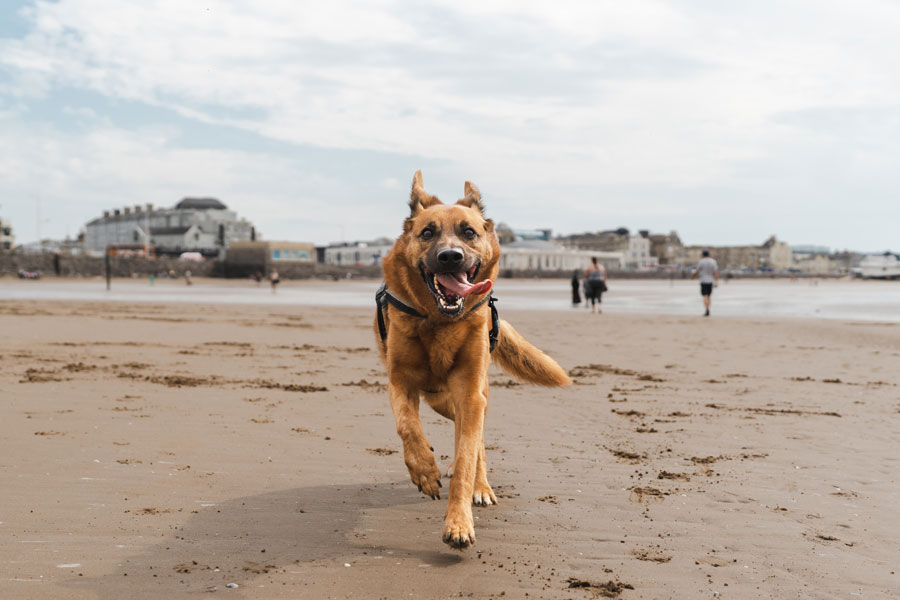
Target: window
276 254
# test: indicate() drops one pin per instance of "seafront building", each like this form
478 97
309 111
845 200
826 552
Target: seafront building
250 258
771 255
543 255
203 225
635 249
356 254
7 239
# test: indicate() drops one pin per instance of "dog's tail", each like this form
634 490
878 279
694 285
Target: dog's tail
519 358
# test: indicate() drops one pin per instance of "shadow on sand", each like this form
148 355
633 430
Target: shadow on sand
244 538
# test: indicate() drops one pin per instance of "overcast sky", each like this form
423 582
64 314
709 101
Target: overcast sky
725 121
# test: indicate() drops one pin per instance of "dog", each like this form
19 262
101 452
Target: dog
435 328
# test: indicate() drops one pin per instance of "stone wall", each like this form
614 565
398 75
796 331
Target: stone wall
89 266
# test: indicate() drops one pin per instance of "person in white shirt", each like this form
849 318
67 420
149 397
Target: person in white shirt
708 272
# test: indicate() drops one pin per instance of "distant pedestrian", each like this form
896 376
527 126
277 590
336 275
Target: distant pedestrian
274 279
595 275
576 289
187 277
257 277
708 272
586 288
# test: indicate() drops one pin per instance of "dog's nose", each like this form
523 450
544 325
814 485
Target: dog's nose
450 257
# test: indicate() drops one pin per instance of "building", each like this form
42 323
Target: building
357 254
203 225
542 255
637 254
7 239
67 246
814 264
781 257
666 247
771 255
635 250
247 258
613 240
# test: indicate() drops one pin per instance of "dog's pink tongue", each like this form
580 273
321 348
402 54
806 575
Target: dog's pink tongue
458 283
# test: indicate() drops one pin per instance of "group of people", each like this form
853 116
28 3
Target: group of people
594 286
595 278
274 279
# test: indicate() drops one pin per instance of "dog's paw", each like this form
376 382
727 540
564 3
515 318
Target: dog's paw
483 495
459 532
427 478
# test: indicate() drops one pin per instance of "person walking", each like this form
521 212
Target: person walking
595 275
708 272
274 279
576 289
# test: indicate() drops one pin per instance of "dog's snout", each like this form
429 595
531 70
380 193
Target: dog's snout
450 257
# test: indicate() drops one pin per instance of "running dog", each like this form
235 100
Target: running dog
437 330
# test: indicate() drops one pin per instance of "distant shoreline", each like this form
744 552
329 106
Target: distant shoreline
844 299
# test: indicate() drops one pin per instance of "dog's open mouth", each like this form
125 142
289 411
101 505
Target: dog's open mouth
450 289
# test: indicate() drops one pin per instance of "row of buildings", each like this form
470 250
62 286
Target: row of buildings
621 250
199 225
207 228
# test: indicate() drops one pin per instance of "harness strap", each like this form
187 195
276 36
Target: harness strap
494 333
383 297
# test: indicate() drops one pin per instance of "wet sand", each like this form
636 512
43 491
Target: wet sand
155 451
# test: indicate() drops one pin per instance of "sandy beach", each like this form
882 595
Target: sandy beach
167 450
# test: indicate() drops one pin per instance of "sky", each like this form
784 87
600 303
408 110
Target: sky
724 121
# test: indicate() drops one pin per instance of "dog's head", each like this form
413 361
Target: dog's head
449 251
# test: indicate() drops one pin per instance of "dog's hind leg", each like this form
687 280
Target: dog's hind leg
483 494
417 452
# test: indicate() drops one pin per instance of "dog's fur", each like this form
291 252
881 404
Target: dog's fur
444 357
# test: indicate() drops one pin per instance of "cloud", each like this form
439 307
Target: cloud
650 109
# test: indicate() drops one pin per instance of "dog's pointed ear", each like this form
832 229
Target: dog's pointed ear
418 198
472 198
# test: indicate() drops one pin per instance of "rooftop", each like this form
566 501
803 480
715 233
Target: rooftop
200 204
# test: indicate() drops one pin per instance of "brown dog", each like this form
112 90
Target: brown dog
433 330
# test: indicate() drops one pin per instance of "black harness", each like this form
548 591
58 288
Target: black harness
383 297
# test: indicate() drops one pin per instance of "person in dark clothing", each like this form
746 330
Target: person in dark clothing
595 275
576 289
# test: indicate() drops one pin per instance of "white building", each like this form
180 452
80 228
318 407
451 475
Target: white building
637 255
358 253
202 225
541 255
7 239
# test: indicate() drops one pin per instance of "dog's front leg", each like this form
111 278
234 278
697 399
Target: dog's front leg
417 452
467 388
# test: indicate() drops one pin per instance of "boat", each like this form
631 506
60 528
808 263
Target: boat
879 266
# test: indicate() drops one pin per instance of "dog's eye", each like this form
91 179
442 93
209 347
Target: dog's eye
469 233
426 234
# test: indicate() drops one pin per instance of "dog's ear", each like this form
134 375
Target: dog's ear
420 199
472 198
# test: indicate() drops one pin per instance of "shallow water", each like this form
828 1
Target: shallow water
829 299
